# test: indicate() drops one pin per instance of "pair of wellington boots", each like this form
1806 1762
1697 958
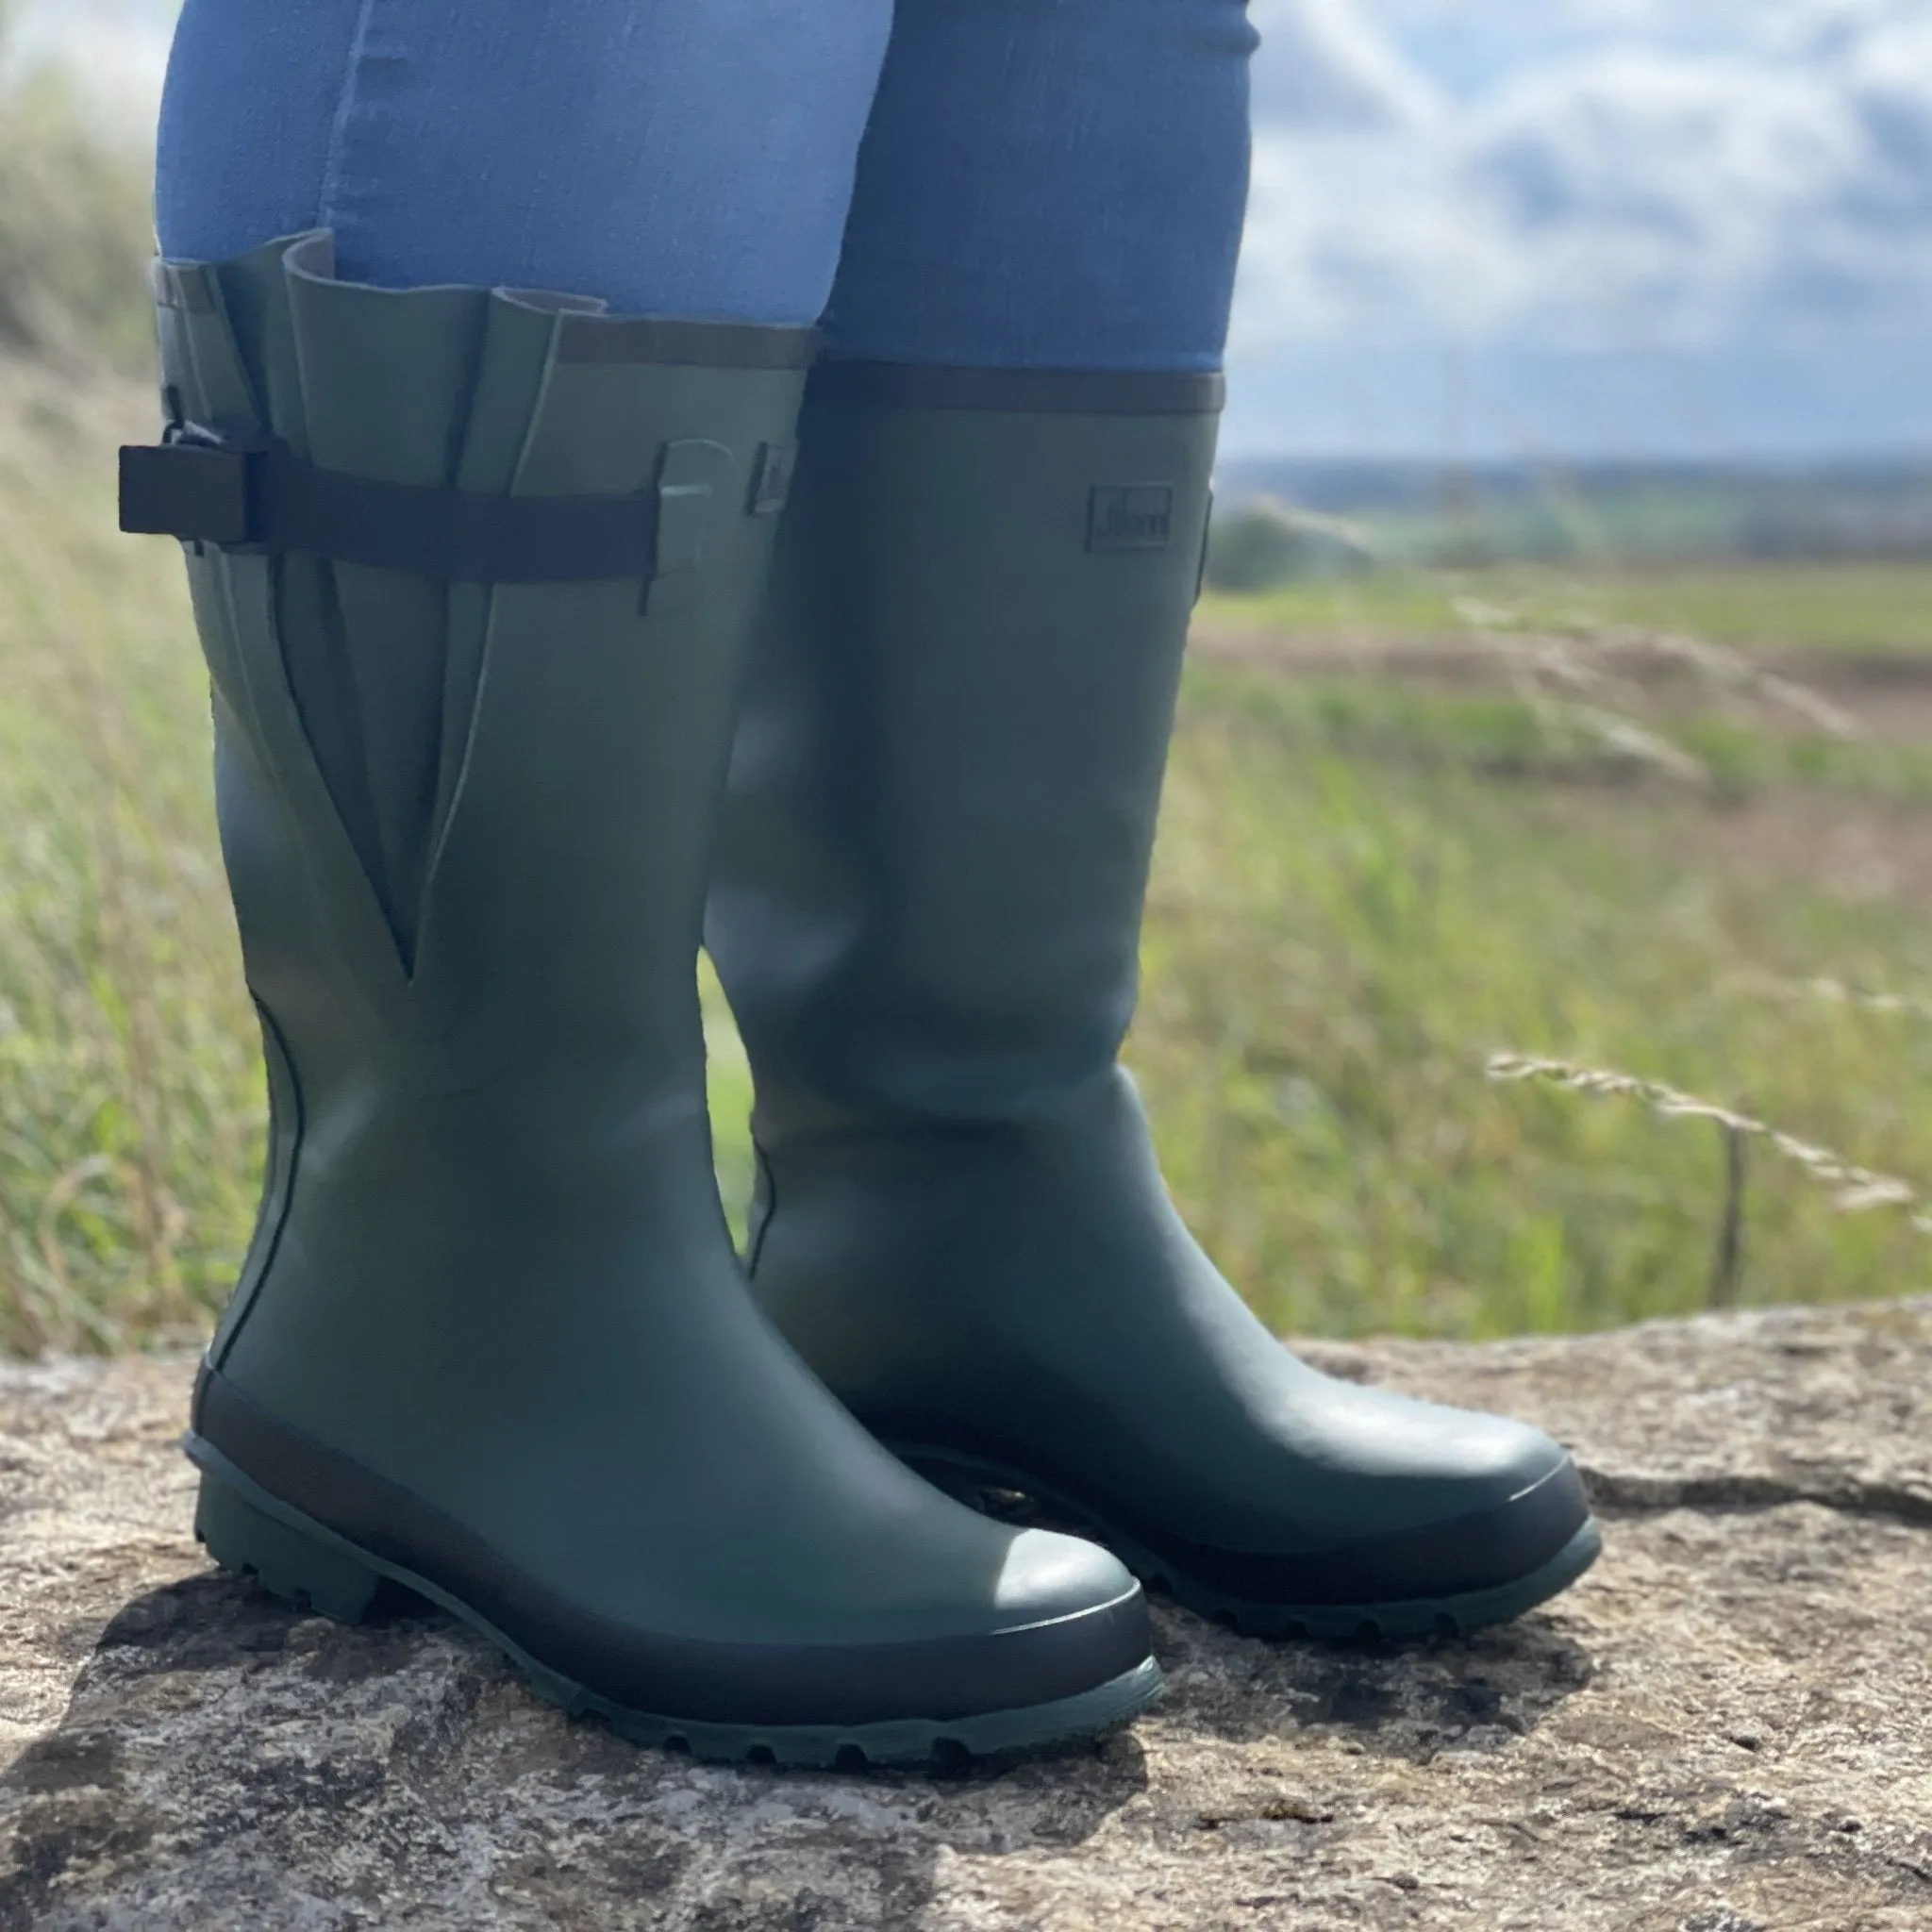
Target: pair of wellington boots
506 721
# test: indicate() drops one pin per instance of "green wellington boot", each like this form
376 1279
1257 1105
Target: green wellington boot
927 914
472 571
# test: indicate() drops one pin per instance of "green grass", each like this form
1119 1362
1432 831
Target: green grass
1881 611
129 1088
1363 888
1357 901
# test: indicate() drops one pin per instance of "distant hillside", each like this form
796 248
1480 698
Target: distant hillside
1422 512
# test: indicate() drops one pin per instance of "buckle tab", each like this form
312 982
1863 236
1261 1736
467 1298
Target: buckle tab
196 486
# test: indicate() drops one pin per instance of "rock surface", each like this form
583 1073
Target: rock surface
1726 1727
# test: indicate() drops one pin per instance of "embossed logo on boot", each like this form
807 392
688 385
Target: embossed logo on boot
1130 516
770 477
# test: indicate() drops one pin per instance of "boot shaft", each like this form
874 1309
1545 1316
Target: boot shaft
943 797
467 822
467 825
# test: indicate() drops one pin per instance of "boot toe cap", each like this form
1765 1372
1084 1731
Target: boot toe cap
1047 1578
1359 1500
1413 1500
1460 1540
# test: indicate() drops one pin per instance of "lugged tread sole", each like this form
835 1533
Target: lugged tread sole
969 1478
248 1532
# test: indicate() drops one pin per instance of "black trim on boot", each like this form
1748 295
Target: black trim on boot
1023 391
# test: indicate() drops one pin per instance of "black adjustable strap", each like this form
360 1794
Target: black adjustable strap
205 489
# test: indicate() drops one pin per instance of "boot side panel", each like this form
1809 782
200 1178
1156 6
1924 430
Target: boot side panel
543 1173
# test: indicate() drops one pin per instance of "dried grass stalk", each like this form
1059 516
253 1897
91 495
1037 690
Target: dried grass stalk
1855 1189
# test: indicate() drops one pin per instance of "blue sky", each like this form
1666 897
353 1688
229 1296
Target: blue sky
1593 226
1574 227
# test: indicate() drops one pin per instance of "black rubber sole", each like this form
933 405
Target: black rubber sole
249 1532
971 1478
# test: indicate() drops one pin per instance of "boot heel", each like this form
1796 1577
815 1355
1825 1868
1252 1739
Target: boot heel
287 1563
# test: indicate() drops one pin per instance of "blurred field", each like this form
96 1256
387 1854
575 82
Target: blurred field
1366 886
1879 610
1414 819
1366 883
129 1093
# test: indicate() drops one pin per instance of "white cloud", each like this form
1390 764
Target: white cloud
1324 67
1889 90
1643 197
1830 28
1617 193
119 47
1343 235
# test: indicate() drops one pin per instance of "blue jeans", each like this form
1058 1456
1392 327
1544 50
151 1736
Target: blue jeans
1000 183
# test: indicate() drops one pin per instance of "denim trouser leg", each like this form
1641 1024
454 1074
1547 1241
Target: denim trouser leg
1047 183
1054 184
684 158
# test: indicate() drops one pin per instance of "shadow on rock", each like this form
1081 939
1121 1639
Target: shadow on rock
224 1754
1410 1699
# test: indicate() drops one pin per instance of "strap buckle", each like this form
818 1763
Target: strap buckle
197 484
247 492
